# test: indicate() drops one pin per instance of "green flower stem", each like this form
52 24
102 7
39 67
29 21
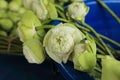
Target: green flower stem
45 27
3 38
61 14
61 19
100 56
118 51
99 45
3 42
17 53
3 46
109 10
98 69
46 21
82 28
59 7
102 36
110 40
100 51
97 36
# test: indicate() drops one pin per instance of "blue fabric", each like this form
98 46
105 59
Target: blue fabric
17 68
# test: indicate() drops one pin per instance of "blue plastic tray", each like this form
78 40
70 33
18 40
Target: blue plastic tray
104 24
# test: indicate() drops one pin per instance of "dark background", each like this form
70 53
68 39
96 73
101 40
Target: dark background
17 68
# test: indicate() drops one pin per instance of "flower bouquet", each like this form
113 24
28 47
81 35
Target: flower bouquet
56 30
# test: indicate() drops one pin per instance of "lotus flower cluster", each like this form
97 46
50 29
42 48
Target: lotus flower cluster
42 8
65 40
32 47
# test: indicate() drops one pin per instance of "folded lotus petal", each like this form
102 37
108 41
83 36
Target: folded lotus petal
110 69
25 33
27 26
29 19
33 51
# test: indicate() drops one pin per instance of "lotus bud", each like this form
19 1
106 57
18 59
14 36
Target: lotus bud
28 4
3 4
52 11
29 19
3 13
40 10
77 11
33 51
27 26
3 33
25 33
22 10
110 68
77 0
13 6
6 24
14 16
59 41
84 57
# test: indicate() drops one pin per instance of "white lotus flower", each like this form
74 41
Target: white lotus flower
59 41
77 10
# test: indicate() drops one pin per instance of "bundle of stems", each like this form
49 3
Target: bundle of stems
10 46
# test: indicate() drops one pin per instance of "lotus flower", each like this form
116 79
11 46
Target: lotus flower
27 26
84 57
32 47
38 7
59 42
3 4
42 8
77 11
